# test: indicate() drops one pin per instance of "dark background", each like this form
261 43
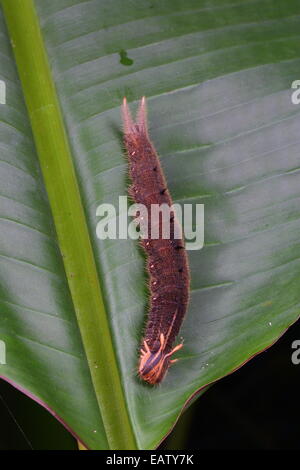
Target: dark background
256 407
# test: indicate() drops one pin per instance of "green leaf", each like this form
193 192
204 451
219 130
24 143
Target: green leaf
218 76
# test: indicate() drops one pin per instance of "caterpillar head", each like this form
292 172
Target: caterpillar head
154 365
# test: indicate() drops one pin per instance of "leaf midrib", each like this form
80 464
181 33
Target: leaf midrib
69 218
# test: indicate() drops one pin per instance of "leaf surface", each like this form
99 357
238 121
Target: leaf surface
217 75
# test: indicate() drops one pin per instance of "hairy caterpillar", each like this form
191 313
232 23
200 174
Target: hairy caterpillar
167 262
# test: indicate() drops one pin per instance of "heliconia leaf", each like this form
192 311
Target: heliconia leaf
223 116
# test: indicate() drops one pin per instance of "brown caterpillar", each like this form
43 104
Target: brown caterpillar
167 261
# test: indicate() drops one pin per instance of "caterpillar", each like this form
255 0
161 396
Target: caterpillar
167 262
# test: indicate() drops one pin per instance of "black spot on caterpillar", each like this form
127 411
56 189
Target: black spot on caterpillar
167 261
